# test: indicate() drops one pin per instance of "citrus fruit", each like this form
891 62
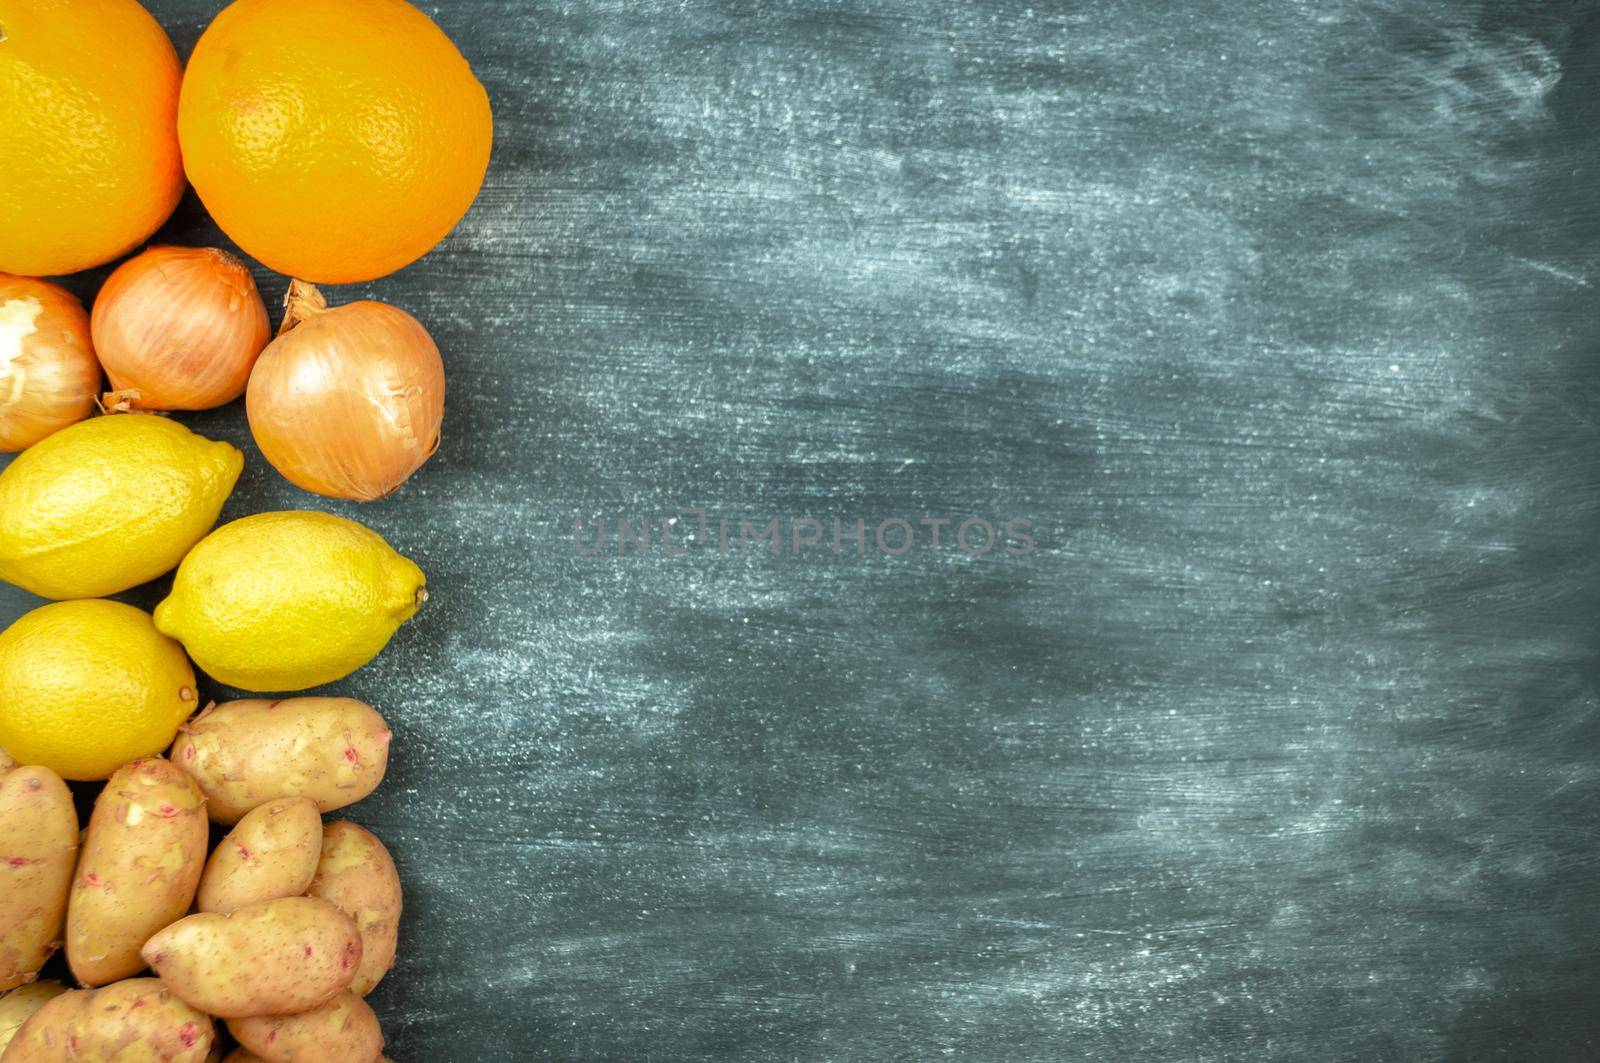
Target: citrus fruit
289 600
87 686
109 503
88 132
334 140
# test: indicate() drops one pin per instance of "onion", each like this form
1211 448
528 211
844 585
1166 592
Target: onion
178 328
347 402
48 375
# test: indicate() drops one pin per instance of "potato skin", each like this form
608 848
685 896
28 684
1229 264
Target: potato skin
273 852
277 957
142 858
6 763
344 1030
21 1002
245 753
357 874
133 1019
38 849
244 1055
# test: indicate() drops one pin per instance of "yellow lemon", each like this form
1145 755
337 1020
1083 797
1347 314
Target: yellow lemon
109 503
286 601
87 686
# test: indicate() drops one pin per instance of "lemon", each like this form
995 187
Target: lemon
87 686
286 601
109 503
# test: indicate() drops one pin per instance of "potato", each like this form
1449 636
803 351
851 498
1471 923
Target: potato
17 1005
142 858
6 763
344 1030
38 846
357 874
273 958
245 753
137 1019
273 852
244 1055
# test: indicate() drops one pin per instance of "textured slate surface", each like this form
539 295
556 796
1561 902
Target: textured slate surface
1279 321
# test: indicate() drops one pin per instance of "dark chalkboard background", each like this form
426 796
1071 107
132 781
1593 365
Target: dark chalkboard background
1280 322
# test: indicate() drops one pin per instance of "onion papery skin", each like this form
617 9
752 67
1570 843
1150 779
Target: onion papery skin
179 328
349 402
49 377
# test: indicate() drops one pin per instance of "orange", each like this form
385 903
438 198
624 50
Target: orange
88 112
333 140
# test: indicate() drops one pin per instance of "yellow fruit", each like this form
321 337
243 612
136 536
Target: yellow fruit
334 140
109 503
286 601
87 686
88 132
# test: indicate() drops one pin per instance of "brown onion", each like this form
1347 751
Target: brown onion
179 328
347 402
48 375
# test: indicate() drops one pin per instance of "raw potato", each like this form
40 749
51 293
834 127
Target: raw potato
244 1055
272 853
137 1019
38 847
357 874
274 958
344 1030
142 857
17 1005
245 753
6 763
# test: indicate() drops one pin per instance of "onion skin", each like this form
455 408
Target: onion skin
48 374
179 328
347 402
